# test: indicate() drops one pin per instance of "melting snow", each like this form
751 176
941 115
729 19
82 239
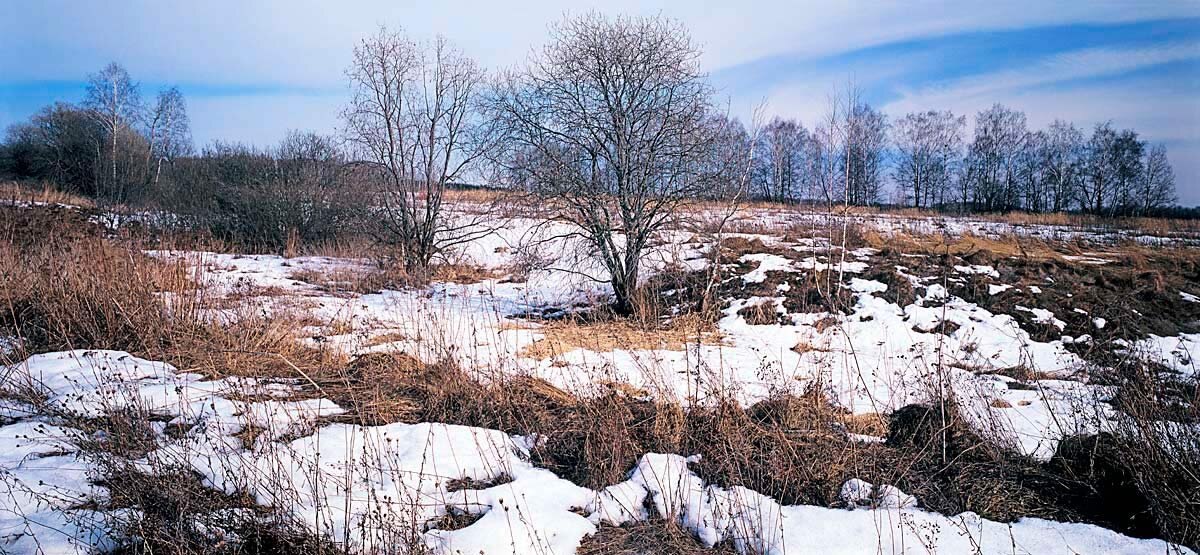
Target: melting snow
369 482
978 269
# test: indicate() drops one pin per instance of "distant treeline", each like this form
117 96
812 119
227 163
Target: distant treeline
116 147
929 162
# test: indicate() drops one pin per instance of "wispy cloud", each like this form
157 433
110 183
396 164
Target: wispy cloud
1059 69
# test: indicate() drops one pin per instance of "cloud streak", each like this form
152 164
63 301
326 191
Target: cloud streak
1058 69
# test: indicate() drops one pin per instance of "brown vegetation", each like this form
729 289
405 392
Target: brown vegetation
794 448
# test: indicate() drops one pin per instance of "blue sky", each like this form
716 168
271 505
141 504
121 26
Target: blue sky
253 70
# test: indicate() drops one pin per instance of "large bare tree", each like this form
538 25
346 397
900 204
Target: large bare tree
610 126
411 118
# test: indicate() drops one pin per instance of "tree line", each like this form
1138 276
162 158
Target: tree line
611 126
117 148
932 163
112 146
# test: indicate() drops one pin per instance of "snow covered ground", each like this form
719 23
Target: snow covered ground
373 484
878 358
365 483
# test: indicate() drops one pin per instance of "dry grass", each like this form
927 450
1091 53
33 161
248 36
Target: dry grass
67 286
645 538
609 334
967 245
462 273
480 196
352 280
14 192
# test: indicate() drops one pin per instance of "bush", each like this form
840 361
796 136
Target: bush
300 193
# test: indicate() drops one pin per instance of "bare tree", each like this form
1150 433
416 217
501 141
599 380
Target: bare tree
168 131
852 142
992 165
1062 158
1158 181
61 144
411 118
927 145
115 101
1114 164
729 162
779 170
865 149
609 126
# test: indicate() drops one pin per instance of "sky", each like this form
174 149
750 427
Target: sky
252 70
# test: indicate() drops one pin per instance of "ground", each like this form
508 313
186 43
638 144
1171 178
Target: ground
395 415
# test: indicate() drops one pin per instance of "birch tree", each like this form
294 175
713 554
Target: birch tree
1157 181
168 131
114 99
927 147
1062 159
780 166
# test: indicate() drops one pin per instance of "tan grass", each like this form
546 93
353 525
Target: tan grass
44 193
563 336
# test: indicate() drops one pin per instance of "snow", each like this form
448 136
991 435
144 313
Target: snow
758 524
996 289
1043 316
363 482
979 269
766 263
1090 260
811 263
867 286
1032 418
1179 353
878 358
45 477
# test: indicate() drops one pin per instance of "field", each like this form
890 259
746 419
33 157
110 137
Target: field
791 381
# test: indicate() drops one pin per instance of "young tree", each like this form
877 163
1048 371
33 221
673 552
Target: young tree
610 126
168 131
115 101
927 146
411 118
